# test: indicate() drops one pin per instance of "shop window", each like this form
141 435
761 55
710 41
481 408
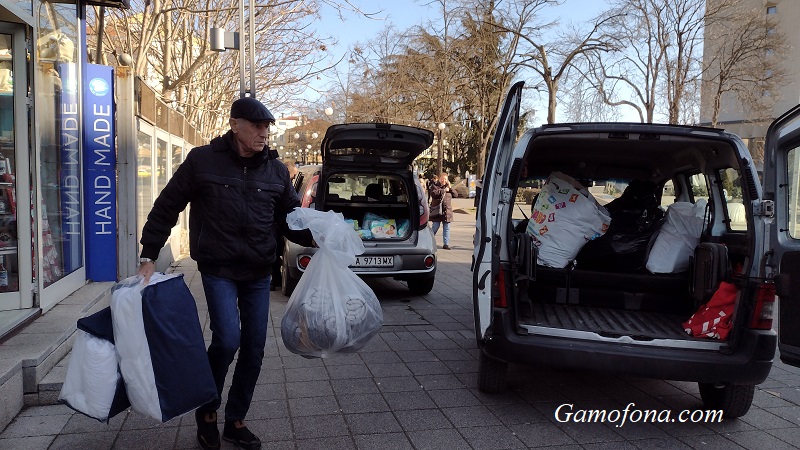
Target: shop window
161 164
144 178
772 9
59 134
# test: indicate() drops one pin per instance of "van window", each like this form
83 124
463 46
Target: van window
699 186
794 192
734 202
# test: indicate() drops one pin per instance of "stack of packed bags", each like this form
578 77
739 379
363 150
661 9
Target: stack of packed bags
145 351
331 310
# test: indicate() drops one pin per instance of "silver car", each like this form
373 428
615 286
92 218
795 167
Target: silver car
366 175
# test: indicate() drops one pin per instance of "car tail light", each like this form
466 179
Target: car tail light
765 304
499 291
429 260
303 261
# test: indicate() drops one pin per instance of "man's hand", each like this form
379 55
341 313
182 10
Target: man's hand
146 269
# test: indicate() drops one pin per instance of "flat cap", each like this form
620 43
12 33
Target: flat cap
251 109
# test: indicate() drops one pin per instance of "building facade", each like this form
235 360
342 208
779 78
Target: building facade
734 115
43 195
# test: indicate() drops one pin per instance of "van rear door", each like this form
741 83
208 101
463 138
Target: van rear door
483 271
782 185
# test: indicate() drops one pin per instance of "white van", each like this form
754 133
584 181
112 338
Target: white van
597 243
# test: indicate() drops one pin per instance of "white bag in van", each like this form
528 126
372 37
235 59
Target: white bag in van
677 238
565 217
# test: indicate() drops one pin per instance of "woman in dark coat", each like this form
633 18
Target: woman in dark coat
441 192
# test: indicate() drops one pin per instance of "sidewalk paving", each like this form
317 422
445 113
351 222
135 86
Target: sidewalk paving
414 387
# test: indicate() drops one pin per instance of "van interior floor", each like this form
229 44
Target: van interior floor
610 322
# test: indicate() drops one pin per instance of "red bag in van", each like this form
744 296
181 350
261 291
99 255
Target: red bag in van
713 320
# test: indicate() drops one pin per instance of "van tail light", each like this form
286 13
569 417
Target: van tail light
303 261
500 300
765 305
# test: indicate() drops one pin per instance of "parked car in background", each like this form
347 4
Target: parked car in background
612 306
366 175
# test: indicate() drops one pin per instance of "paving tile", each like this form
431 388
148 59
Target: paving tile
385 441
429 367
422 419
306 374
491 437
308 389
328 443
357 386
610 446
80 423
373 423
361 403
348 371
665 443
399 401
320 426
398 384
313 406
758 439
764 420
440 381
541 434
380 358
710 442
471 416
25 443
146 439
272 391
789 435
416 355
438 439
268 409
95 440
448 398
38 425
390 370
271 430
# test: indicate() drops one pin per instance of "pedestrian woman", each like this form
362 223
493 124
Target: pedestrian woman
441 194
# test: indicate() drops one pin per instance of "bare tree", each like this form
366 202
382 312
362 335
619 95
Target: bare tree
657 57
742 59
168 43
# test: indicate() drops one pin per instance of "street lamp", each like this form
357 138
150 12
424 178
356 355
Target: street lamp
440 153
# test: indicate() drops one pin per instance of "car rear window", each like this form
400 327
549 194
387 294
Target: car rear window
367 188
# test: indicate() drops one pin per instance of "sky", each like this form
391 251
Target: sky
404 14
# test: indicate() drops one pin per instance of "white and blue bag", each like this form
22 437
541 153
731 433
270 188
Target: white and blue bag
161 348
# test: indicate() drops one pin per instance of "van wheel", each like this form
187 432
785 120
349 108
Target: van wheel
733 399
420 286
491 374
288 283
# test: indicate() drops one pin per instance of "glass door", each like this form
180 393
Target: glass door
15 221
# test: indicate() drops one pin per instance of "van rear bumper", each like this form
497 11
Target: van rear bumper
750 364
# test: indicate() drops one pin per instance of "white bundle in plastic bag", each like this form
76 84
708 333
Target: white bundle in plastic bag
565 217
331 310
92 376
677 238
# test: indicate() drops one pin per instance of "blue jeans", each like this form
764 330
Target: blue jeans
445 231
239 313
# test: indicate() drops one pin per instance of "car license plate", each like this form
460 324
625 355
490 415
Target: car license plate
374 261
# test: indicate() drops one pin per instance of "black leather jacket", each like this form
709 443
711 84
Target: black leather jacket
236 204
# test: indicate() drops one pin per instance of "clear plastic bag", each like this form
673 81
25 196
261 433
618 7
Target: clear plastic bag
331 310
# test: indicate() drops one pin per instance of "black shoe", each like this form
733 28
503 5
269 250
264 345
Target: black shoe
240 436
207 431
446 247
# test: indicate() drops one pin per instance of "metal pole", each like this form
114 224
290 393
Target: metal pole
242 89
252 32
440 154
